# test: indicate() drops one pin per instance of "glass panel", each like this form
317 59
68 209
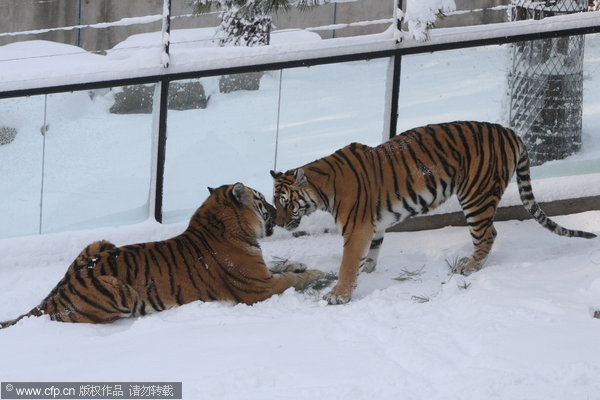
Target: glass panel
465 84
476 84
224 136
324 108
21 152
589 156
98 158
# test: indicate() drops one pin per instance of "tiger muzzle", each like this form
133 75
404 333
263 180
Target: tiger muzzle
293 224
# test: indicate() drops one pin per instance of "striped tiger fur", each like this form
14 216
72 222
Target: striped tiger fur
368 189
216 258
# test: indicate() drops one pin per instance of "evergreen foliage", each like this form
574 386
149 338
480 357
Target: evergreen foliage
248 23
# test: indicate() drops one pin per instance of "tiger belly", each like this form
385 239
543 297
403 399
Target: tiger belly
405 207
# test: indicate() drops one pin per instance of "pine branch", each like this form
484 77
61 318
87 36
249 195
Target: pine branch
256 7
248 23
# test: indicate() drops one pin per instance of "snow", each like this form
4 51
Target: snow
348 25
166 33
29 64
499 30
122 22
421 15
127 63
522 329
473 10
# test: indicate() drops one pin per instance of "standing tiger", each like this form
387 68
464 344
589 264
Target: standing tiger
216 258
368 189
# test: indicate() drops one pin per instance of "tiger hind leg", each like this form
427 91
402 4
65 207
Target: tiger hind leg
87 255
86 258
479 213
92 299
483 245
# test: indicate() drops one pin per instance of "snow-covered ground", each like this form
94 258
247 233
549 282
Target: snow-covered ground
521 328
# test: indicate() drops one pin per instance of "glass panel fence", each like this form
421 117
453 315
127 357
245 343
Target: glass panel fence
324 108
244 129
83 159
98 158
548 91
21 160
221 130
464 84
589 155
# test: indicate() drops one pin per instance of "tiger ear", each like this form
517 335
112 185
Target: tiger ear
239 194
210 190
300 177
275 174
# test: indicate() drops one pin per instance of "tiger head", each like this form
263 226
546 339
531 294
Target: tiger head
293 197
256 214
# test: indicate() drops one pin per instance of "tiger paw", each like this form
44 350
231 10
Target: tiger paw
307 277
296 267
337 296
467 266
368 265
277 267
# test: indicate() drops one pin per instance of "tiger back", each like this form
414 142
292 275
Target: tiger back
368 189
217 258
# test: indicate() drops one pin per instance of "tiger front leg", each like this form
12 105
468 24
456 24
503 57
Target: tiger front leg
370 261
280 282
279 266
355 247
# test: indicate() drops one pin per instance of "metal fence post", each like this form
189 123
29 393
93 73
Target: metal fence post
159 143
395 95
166 33
393 80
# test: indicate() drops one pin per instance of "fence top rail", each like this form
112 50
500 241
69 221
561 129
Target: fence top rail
188 61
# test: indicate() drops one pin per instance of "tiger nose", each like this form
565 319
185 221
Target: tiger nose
280 218
271 210
290 226
279 222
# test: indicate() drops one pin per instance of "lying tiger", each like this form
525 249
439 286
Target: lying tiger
368 189
216 258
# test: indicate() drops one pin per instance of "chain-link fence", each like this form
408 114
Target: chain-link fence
527 9
546 84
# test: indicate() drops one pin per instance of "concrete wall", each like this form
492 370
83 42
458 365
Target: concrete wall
95 11
21 15
475 18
